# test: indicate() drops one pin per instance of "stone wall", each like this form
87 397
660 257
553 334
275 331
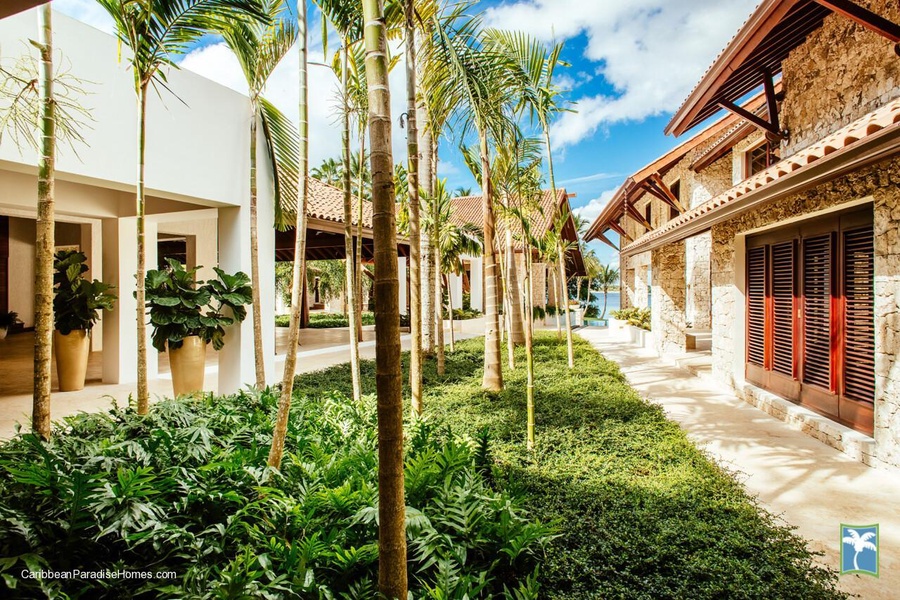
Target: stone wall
667 320
840 73
880 182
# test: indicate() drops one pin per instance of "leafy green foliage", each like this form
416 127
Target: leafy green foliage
538 313
179 307
319 320
77 301
641 512
8 318
639 317
185 489
462 314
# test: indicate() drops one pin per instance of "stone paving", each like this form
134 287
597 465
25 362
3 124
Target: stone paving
810 485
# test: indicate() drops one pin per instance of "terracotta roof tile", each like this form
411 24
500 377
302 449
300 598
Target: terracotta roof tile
467 209
326 202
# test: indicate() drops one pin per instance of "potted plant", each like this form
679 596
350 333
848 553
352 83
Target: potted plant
7 321
187 316
76 306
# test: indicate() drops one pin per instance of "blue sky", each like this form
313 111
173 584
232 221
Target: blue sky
632 63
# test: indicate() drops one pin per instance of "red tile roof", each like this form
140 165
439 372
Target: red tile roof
326 202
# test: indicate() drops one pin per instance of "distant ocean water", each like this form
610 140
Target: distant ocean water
612 301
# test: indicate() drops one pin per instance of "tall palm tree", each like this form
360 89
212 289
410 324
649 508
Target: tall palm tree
259 47
330 172
392 574
607 277
44 248
156 31
346 18
279 432
541 97
415 239
476 83
462 191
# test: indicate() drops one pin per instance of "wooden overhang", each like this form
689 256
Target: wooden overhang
758 50
866 141
325 226
11 7
719 138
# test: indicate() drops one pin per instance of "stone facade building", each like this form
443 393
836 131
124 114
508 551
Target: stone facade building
804 245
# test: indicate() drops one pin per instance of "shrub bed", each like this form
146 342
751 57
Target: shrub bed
185 490
641 512
325 320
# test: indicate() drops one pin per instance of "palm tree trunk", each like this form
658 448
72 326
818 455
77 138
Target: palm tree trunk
553 277
45 239
513 293
358 264
564 294
348 228
450 313
259 360
392 573
493 373
562 260
299 270
143 394
439 305
427 275
529 351
605 294
415 241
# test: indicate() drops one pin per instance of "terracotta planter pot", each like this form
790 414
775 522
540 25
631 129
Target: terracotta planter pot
188 364
72 351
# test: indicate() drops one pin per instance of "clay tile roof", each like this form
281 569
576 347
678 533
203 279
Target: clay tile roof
844 139
326 202
467 209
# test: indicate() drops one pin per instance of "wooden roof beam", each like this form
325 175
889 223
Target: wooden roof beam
769 129
614 225
606 241
632 212
656 181
866 18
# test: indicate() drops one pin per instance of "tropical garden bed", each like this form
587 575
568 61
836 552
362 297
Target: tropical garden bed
615 502
326 320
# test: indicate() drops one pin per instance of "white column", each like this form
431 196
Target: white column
237 366
92 246
119 266
401 274
476 281
456 291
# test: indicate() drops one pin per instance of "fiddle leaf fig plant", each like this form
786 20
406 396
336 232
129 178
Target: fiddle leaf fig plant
181 307
77 301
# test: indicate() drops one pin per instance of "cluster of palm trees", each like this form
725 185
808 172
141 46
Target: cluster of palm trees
493 90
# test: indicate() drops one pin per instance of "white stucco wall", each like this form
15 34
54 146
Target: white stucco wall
21 268
210 122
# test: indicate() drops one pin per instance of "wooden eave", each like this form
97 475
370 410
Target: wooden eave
11 7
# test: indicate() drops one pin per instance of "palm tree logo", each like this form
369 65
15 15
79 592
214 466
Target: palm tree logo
861 539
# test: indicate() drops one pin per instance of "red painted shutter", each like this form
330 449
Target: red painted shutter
756 306
783 307
859 315
817 276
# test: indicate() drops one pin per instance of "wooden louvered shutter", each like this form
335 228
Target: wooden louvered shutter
756 306
859 315
817 277
783 308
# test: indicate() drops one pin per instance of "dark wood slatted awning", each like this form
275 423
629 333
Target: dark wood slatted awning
11 7
325 241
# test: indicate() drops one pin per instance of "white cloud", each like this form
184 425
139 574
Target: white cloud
591 210
589 178
652 52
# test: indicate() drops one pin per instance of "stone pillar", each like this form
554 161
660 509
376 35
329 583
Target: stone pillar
119 266
402 277
476 281
642 287
667 309
698 309
539 284
887 326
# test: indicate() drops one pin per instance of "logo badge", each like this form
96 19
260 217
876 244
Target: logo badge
859 549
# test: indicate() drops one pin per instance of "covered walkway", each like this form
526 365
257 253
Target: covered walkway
809 484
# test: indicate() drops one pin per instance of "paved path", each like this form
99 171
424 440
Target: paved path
809 484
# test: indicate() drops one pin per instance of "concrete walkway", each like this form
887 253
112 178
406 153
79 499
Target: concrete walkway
809 484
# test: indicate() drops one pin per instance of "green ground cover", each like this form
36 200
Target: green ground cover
319 320
615 502
640 511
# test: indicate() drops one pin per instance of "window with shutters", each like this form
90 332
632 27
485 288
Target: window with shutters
810 315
